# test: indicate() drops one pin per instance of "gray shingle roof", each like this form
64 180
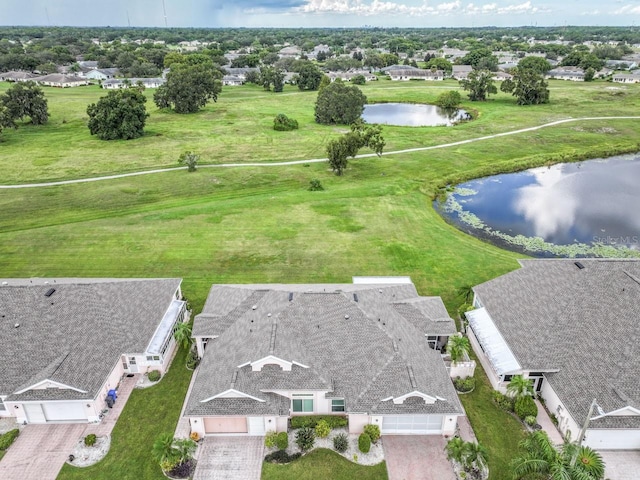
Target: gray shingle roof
581 322
75 336
358 350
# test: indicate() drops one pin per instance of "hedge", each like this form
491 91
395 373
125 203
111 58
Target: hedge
6 439
334 421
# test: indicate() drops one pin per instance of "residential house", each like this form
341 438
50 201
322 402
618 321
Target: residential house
290 51
347 76
241 72
415 74
573 74
626 77
501 76
572 328
89 64
114 83
60 80
621 64
15 76
461 72
232 80
367 350
102 73
64 343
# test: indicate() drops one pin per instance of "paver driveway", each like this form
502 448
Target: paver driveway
40 451
416 457
230 458
621 464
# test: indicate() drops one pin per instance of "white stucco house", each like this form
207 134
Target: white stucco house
61 80
571 326
573 74
64 343
117 83
366 350
406 74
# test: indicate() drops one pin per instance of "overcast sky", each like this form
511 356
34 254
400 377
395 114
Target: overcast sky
320 13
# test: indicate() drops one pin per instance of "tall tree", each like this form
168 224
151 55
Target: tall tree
309 76
519 386
479 84
338 103
537 64
26 99
361 135
189 87
528 86
121 115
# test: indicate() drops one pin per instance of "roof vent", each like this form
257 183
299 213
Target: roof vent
579 265
269 315
16 325
49 292
355 297
290 296
254 307
5 283
346 317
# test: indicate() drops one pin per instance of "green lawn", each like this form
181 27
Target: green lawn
323 464
261 224
148 413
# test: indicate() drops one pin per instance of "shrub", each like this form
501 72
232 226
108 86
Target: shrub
282 123
322 429
282 441
280 456
190 159
305 438
334 421
6 439
373 431
270 439
504 402
90 440
358 80
341 442
554 419
450 99
364 443
464 385
315 185
525 407
153 375
192 359
182 470
530 420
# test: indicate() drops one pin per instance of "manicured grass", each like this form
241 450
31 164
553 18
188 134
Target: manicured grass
498 431
147 414
326 464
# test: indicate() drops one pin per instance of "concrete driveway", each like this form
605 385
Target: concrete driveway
40 451
416 457
230 458
621 465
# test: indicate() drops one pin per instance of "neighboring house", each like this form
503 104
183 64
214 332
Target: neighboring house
461 72
115 83
572 328
347 76
61 81
232 80
14 76
240 72
65 343
573 74
366 350
102 73
603 73
621 64
415 74
626 78
290 51
501 76
88 64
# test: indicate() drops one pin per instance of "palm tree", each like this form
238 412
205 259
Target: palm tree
519 387
455 449
185 448
544 461
182 334
475 456
163 451
458 347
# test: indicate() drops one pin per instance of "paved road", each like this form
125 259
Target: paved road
315 160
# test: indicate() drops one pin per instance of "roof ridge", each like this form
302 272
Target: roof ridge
375 377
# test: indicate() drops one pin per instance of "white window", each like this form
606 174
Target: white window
2 406
337 405
302 403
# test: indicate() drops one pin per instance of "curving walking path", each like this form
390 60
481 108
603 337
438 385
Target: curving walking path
316 160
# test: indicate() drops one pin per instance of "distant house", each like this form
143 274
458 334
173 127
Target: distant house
115 83
621 64
347 76
626 78
240 72
573 74
102 73
89 64
61 81
64 343
461 72
366 350
501 76
290 52
415 74
603 73
232 80
570 327
15 76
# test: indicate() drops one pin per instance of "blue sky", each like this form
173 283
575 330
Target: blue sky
320 13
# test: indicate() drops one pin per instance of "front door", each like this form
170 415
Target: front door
133 367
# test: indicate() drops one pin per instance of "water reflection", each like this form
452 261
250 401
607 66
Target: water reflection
412 115
593 204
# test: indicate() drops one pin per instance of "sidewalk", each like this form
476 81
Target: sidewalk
547 425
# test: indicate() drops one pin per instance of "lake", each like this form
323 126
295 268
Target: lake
412 115
589 208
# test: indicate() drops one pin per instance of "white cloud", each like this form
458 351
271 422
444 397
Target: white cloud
379 7
628 10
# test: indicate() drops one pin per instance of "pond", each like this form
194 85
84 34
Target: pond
412 115
588 208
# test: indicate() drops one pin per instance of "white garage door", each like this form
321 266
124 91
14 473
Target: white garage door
256 425
412 424
64 412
